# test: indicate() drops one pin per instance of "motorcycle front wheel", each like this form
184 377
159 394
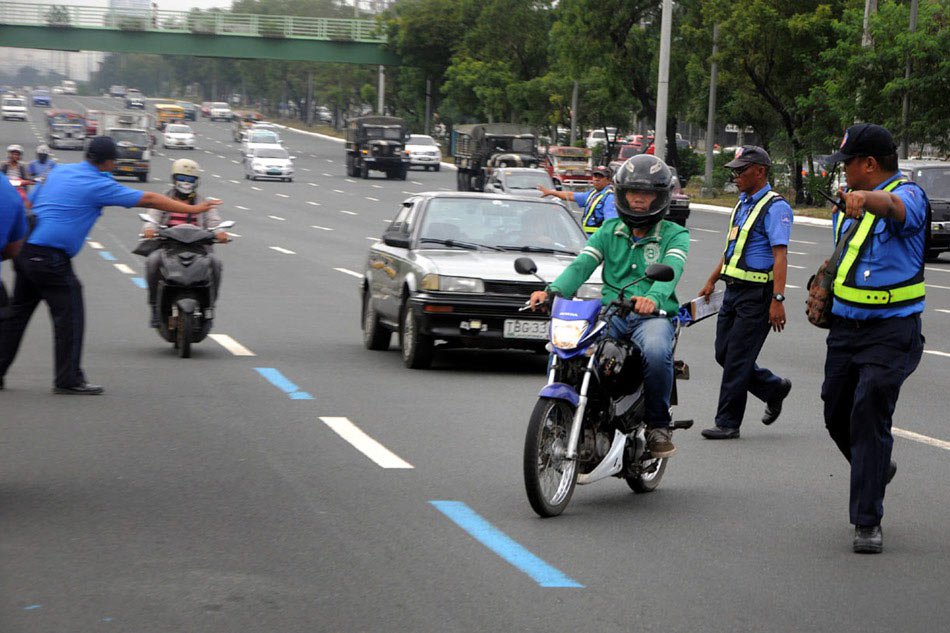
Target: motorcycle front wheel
549 477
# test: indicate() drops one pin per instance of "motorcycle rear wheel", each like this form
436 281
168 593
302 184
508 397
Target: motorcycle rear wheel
647 481
185 334
549 478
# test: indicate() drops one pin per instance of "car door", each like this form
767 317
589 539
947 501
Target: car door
388 265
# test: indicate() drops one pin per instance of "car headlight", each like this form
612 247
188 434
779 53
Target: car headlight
453 284
589 291
567 334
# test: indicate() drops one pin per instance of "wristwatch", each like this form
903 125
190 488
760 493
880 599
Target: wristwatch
778 296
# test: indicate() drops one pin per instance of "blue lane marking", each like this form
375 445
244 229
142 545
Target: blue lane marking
278 380
140 282
503 545
106 255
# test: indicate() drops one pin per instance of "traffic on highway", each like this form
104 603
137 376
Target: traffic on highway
344 450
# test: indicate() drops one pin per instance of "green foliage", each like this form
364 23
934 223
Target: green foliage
58 15
690 164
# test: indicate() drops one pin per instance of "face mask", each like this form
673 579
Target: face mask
185 188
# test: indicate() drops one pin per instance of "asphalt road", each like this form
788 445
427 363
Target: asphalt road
197 495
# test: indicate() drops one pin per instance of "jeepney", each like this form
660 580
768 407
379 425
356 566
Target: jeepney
166 113
65 129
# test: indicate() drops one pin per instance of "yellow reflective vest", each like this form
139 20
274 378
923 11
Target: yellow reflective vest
593 200
893 295
735 266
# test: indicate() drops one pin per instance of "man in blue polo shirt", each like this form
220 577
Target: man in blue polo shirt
875 341
754 266
66 207
12 232
597 203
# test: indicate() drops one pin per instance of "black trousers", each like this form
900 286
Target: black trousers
866 365
741 328
46 274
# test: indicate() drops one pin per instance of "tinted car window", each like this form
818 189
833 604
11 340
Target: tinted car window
527 181
271 153
935 181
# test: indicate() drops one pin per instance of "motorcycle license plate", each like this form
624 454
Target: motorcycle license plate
125 168
518 328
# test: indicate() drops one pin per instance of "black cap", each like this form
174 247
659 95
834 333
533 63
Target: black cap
606 172
864 139
101 149
750 155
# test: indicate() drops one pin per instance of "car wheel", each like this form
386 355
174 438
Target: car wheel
364 171
417 347
438 167
375 335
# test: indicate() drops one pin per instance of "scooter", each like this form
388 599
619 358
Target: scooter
185 293
588 423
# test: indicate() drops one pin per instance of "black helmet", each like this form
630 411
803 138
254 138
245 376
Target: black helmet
645 173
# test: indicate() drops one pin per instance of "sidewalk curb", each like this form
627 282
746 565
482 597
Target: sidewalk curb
799 219
445 165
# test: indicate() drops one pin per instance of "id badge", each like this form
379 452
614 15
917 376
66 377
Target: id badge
733 233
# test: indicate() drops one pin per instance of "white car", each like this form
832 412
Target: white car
14 108
267 127
597 137
260 139
269 162
178 136
424 151
220 111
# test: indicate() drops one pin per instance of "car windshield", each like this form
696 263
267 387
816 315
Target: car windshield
263 137
935 181
266 152
508 224
514 145
417 139
129 136
628 151
571 161
178 129
13 102
528 180
388 132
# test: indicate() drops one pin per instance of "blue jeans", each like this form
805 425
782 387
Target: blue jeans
654 337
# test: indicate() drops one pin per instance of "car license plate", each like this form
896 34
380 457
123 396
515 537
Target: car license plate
125 168
518 328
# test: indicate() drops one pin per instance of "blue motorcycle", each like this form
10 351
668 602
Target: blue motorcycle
588 423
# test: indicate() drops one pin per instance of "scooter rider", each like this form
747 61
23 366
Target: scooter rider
43 164
13 167
185 177
626 246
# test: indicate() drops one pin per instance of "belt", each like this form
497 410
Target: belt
858 324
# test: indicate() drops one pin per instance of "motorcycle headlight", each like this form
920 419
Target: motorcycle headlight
452 284
589 291
567 334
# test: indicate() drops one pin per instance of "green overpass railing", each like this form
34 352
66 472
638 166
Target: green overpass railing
59 16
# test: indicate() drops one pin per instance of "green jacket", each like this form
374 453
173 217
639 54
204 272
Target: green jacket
624 260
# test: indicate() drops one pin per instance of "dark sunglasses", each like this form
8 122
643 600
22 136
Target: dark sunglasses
738 170
184 178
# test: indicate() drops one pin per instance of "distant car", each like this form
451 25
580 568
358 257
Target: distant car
42 98
220 111
178 136
13 107
269 127
424 152
117 91
444 271
521 181
934 178
57 90
191 110
269 162
596 137
323 114
205 109
626 151
92 121
134 99
261 139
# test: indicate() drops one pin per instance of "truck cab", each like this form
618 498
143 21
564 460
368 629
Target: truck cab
377 143
130 131
481 148
569 167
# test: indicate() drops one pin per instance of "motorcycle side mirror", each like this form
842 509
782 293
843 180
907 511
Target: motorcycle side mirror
525 266
660 272
225 225
144 217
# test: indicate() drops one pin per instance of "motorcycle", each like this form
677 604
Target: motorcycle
22 186
185 294
588 423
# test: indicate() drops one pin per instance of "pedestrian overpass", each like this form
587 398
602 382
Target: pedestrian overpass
199 33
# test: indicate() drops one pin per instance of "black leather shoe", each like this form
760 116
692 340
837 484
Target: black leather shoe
85 389
720 433
891 471
773 408
868 539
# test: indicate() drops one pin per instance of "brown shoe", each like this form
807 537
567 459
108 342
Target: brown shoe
659 442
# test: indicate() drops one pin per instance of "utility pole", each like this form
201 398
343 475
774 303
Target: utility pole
574 112
428 105
711 115
663 84
309 98
381 97
905 115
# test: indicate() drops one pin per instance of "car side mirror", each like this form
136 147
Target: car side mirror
526 266
396 239
660 272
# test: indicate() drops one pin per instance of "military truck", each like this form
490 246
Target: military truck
130 132
377 143
482 147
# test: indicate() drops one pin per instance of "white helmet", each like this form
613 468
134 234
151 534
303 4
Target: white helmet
42 149
185 175
15 148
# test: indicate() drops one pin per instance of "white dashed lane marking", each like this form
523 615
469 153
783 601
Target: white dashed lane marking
312 203
321 228
696 228
124 268
938 287
803 242
365 444
237 206
95 245
338 191
328 175
937 270
794 266
347 271
282 250
917 437
231 345
349 212
276 217
256 188
282 195
372 199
